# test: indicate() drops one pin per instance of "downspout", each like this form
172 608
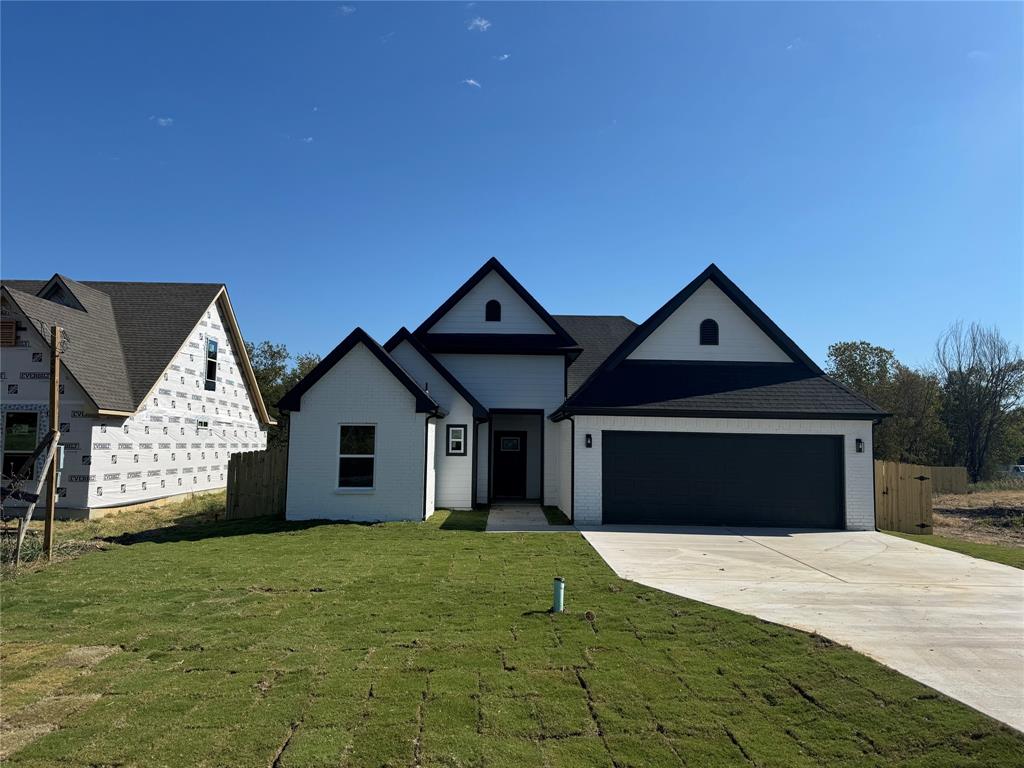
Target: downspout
426 457
572 469
477 421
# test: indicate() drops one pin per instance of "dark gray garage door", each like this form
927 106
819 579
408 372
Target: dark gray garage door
672 478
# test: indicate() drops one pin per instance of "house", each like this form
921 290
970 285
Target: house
705 413
156 388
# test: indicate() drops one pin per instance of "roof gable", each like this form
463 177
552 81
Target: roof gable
292 401
404 336
521 313
126 333
677 337
92 352
649 326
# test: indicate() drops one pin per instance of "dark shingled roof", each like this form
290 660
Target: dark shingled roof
615 384
129 332
599 335
773 390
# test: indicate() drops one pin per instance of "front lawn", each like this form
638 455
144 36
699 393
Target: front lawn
271 644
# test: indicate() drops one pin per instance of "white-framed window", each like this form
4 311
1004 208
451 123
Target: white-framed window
357 446
455 440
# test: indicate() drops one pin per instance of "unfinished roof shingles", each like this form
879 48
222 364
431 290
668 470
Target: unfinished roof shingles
126 337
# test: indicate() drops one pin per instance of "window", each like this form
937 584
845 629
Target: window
509 444
709 333
8 332
211 364
492 312
456 440
19 441
355 456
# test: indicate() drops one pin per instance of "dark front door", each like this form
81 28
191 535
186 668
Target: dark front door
509 462
680 478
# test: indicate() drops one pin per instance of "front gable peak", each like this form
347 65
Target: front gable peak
492 301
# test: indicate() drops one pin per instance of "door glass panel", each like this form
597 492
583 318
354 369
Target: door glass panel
510 443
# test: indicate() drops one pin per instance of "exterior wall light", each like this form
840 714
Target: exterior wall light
589 441
860 445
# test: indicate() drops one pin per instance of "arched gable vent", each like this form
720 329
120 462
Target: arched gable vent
709 333
492 312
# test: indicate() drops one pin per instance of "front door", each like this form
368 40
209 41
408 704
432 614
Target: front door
509 461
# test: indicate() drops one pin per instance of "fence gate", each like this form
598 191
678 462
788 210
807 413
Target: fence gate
903 497
257 482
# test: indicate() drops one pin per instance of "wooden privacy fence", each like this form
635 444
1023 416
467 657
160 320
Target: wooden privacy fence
948 479
903 497
257 481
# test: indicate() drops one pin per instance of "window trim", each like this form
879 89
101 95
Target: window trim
708 325
211 384
493 306
448 440
345 489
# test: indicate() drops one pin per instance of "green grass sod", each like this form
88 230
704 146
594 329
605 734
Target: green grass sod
263 643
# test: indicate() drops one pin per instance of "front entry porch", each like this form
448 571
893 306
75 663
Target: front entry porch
516 456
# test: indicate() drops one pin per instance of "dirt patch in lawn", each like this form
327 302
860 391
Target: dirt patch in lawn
986 517
36 703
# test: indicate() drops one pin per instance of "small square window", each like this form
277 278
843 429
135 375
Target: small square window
455 440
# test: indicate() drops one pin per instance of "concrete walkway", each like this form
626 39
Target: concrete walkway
512 518
953 622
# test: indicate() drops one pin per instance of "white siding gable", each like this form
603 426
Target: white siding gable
467 316
739 337
359 389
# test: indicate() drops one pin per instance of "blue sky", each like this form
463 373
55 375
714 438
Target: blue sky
855 167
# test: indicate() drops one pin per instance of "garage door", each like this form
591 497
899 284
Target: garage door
673 478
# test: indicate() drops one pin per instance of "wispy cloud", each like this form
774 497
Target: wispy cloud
479 24
795 44
503 56
316 109
306 139
346 10
978 55
386 38
471 82
163 122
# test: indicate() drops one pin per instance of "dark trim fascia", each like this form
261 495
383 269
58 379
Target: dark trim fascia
564 413
465 439
292 401
493 265
516 411
403 334
730 289
499 344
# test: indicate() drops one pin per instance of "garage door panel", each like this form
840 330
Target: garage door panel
685 478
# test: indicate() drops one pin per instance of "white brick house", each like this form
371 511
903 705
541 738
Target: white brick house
157 389
706 413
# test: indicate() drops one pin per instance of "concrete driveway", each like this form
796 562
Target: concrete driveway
951 621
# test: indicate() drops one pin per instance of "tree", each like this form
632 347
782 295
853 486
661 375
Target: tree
914 433
274 375
982 377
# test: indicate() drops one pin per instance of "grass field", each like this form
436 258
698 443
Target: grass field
261 643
